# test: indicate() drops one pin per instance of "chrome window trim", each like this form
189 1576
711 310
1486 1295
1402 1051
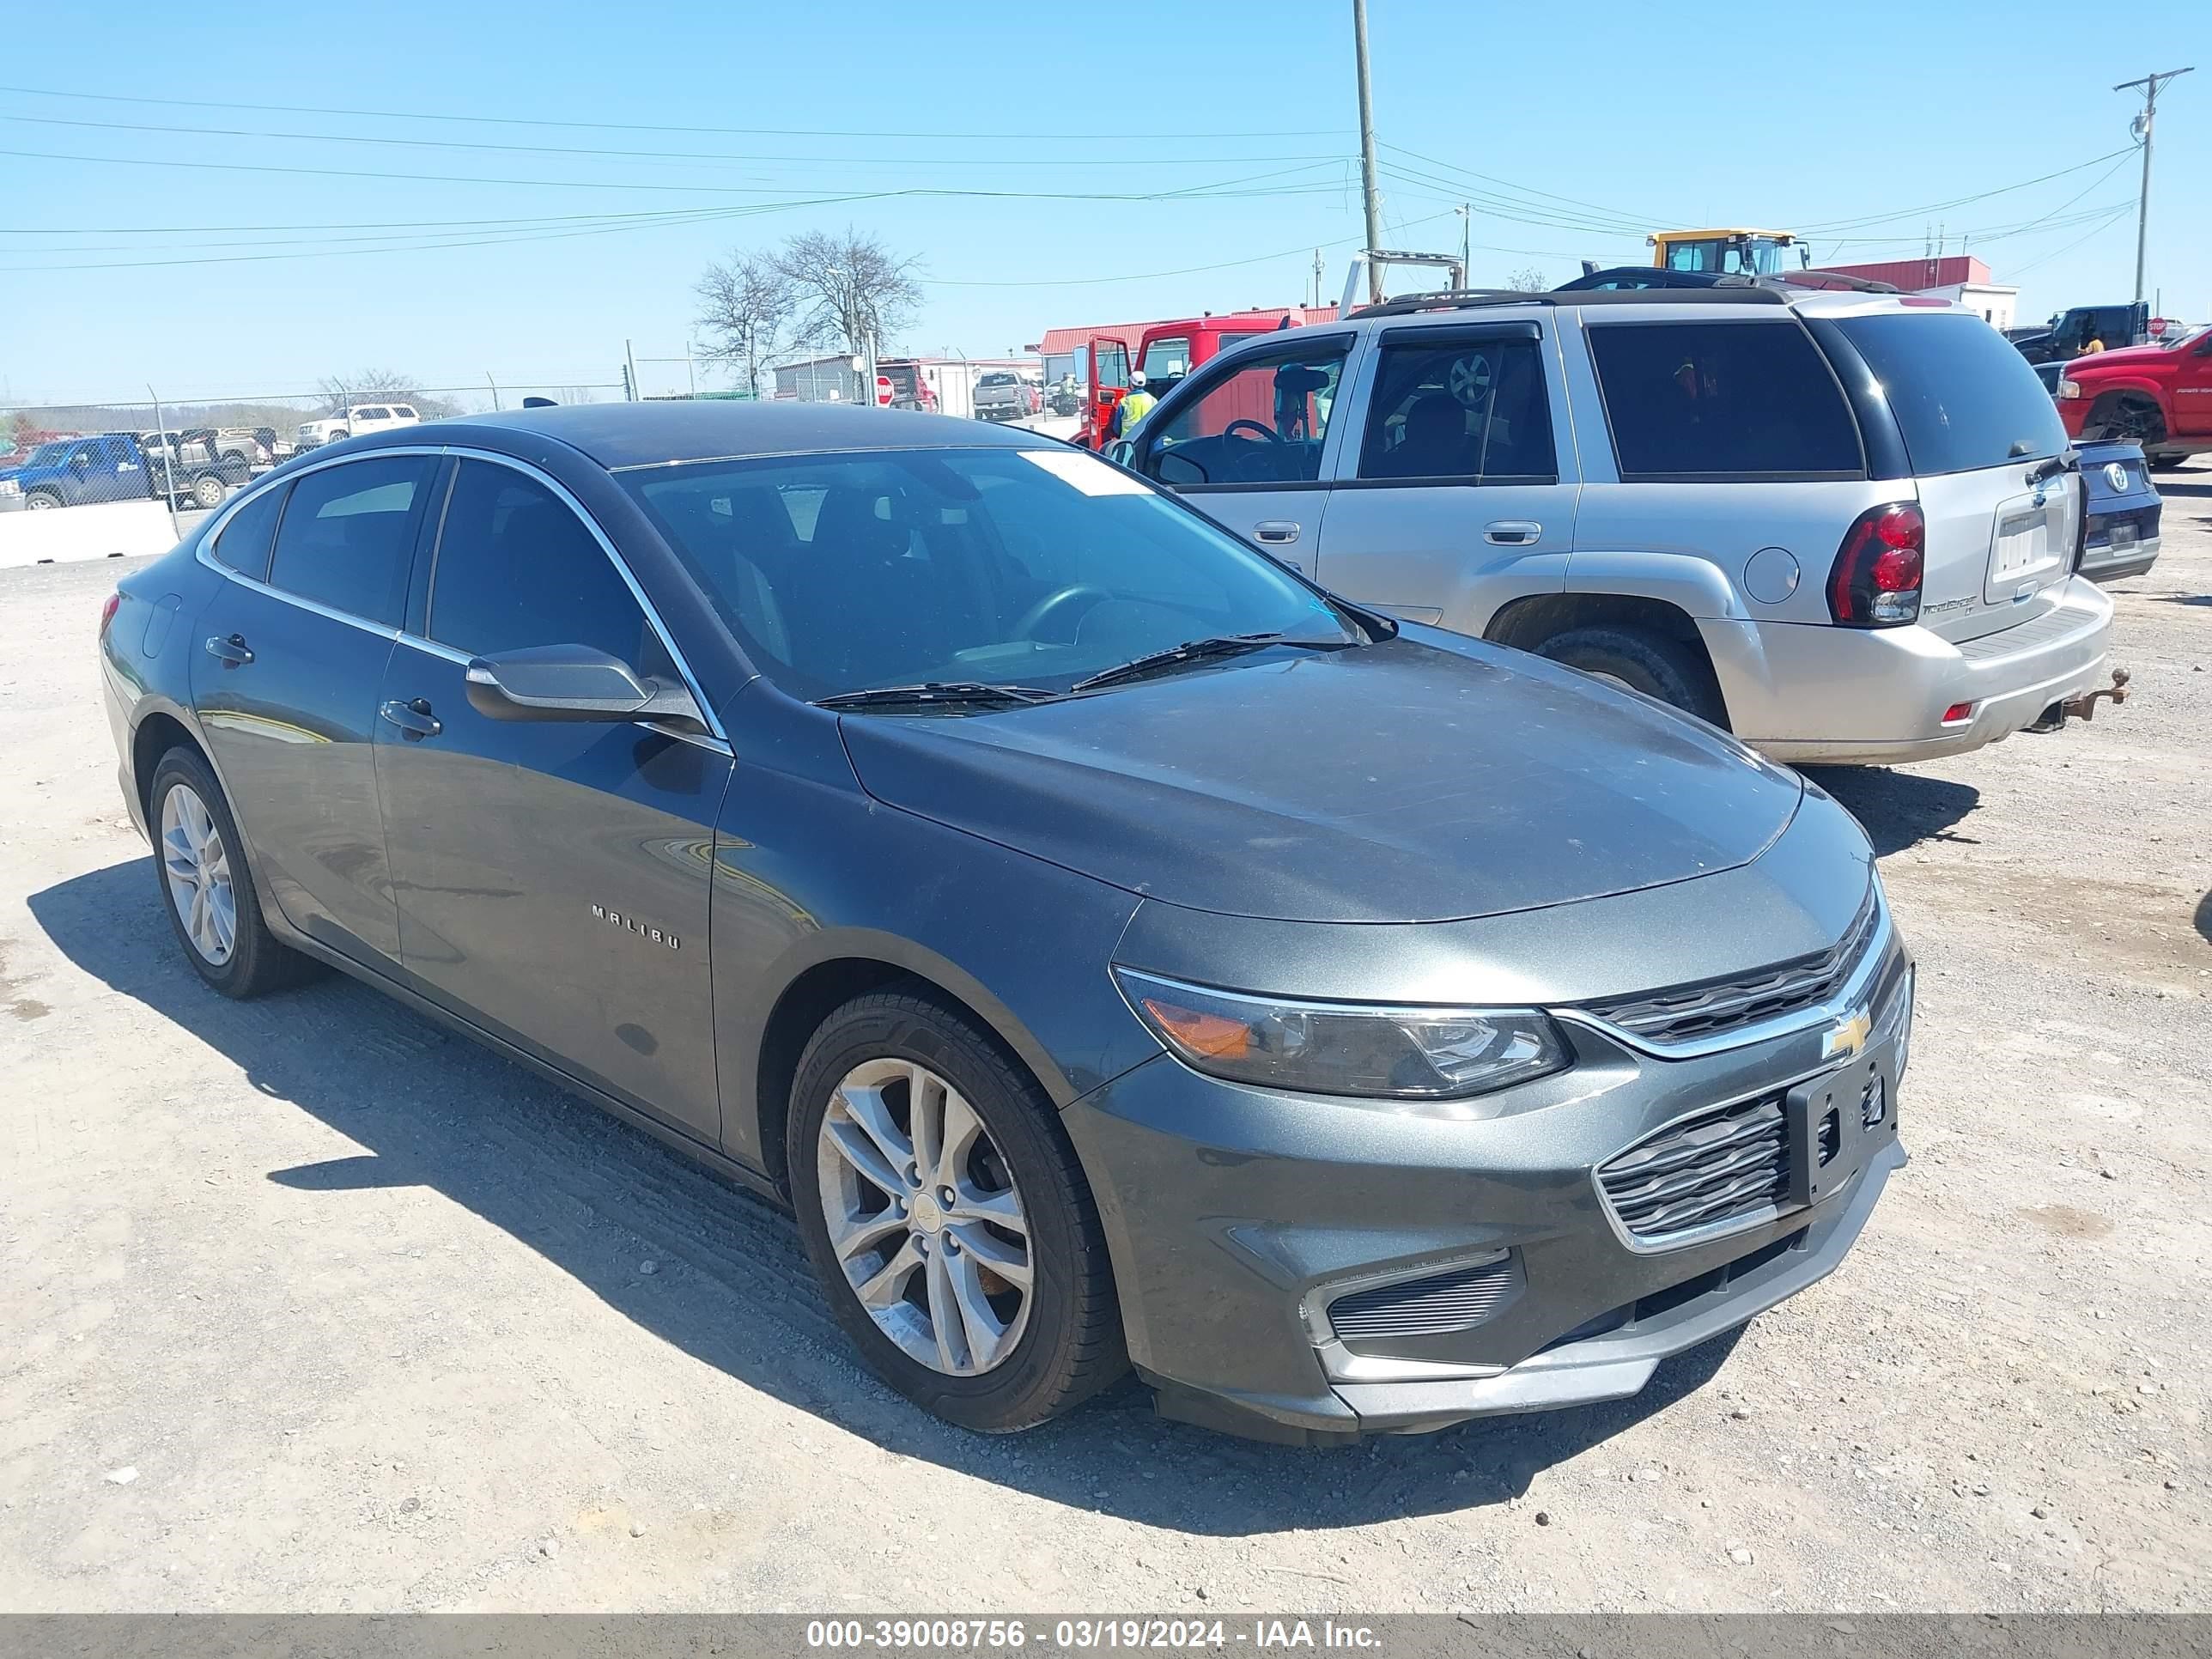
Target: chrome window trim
205 553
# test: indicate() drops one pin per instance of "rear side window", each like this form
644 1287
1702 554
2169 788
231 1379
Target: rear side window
517 568
349 535
1963 397
1470 411
243 543
1719 401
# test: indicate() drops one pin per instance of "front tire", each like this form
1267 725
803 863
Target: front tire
946 1217
207 492
206 888
1643 661
41 501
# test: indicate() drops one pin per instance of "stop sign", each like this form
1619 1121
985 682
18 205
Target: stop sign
883 391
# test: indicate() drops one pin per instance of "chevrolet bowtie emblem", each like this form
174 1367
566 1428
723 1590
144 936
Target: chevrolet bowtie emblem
1847 1036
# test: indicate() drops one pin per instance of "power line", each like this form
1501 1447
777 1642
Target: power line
2112 219
692 190
1149 276
1122 137
1822 229
659 155
1522 190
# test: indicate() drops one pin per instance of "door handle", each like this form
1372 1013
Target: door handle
1511 532
1276 532
229 650
413 718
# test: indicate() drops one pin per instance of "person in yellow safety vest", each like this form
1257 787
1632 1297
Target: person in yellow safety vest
1135 405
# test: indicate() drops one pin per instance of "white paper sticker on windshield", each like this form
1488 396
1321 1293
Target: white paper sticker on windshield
1085 471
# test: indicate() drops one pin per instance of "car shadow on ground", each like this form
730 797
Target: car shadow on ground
1898 810
2204 918
593 1196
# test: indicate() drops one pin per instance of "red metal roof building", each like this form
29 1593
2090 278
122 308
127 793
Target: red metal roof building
1916 276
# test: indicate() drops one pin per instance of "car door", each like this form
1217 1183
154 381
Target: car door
2192 389
553 877
285 682
1455 499
1246 440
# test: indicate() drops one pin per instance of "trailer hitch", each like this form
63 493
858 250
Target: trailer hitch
2084 707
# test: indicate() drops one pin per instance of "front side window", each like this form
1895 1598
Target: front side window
1260 423
1008 566
1113 364
244 542
1471 411
516 567
1722 400
348 536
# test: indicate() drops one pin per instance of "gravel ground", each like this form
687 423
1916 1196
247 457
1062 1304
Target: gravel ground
312 1306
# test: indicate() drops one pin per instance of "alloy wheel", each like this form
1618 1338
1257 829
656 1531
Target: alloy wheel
925 1217
195 865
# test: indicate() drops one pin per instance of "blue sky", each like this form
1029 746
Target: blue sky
1234 147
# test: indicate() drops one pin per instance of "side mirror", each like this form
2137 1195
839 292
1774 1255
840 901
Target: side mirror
1122 452
574 682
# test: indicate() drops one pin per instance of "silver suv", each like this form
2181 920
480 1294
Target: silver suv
1844 526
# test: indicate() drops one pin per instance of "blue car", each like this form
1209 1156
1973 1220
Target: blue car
2124 511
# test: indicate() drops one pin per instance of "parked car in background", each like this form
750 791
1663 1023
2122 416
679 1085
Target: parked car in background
975 966
2121 537
1841 525
2161 396
357 419
1001 395
114 467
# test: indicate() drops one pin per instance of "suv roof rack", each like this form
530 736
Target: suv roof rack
1470 298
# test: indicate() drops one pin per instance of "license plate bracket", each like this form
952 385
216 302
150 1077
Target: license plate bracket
1837 1123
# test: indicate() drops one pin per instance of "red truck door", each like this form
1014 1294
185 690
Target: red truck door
1108 364
2192 390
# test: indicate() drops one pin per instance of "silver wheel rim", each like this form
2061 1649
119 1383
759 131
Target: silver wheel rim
196 864
925 1217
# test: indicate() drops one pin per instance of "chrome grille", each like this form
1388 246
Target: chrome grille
1435 1306
1715 1007
1718 1166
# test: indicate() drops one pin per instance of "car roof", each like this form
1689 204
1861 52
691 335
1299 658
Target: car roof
656 433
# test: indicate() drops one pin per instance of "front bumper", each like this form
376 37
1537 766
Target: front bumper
1806 692
1240 1220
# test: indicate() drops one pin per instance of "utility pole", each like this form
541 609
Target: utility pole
2150 84
1367 151
1318 269
629 372
1466 247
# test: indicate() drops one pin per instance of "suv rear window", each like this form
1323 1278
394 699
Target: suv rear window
1690 401
1963 397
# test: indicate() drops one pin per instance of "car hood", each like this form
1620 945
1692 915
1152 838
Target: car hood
2118 357
1402 781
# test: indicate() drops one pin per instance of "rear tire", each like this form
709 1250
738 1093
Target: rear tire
1644 661
199 855
903 1058
207 492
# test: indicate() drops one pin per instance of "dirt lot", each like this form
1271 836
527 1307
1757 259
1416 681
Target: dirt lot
310 1306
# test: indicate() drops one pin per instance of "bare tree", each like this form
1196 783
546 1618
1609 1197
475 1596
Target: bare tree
850 289
1527 280
383 385
746 308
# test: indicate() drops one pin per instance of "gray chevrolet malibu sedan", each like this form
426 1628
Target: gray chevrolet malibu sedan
1115 951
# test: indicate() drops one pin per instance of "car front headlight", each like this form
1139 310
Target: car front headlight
9 487
2069 391
1373 1051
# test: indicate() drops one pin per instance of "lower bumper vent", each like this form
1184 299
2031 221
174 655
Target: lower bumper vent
1436 1306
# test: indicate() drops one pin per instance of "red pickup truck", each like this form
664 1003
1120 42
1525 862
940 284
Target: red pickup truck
2159 395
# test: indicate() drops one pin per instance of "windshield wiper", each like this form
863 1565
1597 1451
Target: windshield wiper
1219 645
930 693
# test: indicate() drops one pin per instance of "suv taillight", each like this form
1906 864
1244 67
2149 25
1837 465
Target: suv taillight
2081 526
107 612
1876 583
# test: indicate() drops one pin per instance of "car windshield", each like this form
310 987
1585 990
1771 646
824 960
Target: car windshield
990 566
